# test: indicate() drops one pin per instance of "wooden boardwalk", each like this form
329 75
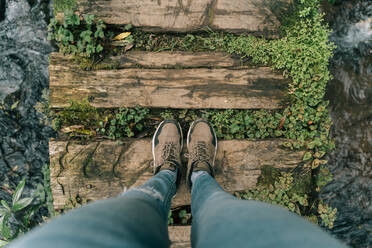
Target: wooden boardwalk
99 169
258 17
102 169
168 80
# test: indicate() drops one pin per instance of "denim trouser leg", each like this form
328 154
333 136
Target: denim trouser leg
136 219
221 220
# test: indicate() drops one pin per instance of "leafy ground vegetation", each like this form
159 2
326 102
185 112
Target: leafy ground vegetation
15 217
302 53
77 35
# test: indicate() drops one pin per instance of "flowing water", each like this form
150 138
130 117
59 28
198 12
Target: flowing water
350 95
24 138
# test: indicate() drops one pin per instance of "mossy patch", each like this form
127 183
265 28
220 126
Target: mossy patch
79 112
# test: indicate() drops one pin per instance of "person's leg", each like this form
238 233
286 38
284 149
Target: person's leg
137 218
222 220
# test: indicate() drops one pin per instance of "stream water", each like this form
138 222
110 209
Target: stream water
24 138
350 95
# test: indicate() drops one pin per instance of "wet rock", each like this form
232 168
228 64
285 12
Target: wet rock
350 95
2 10
9 71
7 149
24 52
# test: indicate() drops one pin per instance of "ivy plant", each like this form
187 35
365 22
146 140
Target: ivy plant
78 35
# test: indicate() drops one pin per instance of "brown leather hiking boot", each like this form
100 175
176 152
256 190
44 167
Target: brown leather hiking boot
202 147
167 146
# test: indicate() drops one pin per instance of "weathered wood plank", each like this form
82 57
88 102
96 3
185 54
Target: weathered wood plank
102 169
180 236
159 60
259 17
243 88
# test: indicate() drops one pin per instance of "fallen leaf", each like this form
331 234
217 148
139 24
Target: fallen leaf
317 162
128 47
71 129
84 131
5 188
14 105
319 154
281 124
155 118
120 43
121 36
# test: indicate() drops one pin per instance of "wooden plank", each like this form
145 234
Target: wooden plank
159 60
258 17
172 60
102 169
243 88
180 236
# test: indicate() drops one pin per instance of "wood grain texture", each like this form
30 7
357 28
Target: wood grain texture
180 236
159 60
258 17
172 60
194 87
102 169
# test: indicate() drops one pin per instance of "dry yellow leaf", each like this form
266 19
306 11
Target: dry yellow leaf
121 36
71 129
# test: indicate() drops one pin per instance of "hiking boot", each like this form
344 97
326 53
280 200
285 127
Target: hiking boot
167 146
202 147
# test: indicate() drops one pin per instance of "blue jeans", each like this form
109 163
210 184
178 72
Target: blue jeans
138 218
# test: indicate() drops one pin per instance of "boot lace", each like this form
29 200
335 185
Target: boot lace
199 152
168 153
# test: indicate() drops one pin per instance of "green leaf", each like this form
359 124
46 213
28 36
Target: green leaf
5 205
287 144
3 243
99 48
28 214
80 46
50 36
70 36
101 34
3 212
5 230
21 204
40 192
53 22
18 192
307 156
89 19
75 19
128 26
86 35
